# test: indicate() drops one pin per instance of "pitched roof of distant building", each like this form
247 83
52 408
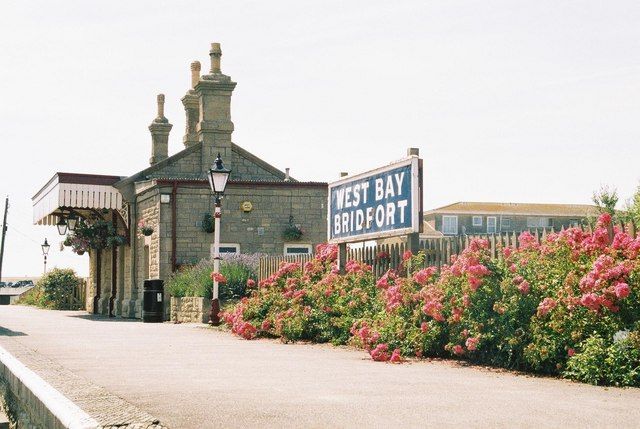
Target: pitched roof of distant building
531 209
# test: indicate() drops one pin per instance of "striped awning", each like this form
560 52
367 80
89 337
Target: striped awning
67 191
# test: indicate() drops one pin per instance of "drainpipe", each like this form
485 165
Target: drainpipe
174 193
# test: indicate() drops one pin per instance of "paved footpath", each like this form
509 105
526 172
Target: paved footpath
190 376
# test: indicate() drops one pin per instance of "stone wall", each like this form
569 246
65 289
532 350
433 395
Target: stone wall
259 230
190 310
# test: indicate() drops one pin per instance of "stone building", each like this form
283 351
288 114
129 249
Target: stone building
487 218
172 196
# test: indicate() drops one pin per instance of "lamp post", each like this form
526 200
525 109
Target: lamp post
45 251
218 177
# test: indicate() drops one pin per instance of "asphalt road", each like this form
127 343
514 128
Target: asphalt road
190 376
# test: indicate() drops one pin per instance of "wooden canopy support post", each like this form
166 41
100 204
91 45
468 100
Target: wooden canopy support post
96 297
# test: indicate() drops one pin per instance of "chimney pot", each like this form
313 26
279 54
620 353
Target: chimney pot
195 73
215 53
160 99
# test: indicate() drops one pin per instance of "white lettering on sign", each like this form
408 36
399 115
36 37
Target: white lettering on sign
379 189
379 216
365 189
359 220
399 179
356 195
391 213
340 198
369 217
402 204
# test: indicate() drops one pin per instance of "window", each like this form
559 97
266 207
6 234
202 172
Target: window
505 223
297 249
538 222
491 224
477 221
450 225
227 248
574 222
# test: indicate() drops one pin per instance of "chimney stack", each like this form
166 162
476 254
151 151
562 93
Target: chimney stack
159 128
214 126
192 108
286 174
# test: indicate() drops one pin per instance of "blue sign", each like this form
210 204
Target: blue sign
376 204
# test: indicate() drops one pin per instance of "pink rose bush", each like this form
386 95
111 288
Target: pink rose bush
534 308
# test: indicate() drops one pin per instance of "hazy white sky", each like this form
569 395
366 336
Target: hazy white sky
535 101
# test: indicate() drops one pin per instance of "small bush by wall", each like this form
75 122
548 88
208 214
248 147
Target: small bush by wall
196 281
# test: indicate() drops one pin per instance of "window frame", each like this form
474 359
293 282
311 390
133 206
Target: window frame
456 224
502 223
287 246
236 245
473 221
495 224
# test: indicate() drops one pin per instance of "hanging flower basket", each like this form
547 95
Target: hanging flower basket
99 234
292 233
144 228
208 224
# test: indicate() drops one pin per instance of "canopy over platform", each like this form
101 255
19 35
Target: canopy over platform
75 192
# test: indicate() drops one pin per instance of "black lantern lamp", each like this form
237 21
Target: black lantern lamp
45 247
61 225
218 177
72 221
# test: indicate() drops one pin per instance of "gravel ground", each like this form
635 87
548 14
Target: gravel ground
190 376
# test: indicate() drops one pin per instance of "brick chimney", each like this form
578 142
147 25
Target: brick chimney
214 127
160 128
192 108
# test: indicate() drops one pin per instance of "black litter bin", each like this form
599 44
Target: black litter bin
153 301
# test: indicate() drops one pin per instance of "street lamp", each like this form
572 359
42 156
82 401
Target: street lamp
218 177
45 251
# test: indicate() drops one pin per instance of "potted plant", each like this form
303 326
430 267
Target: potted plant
208 224
99 234
144 228
292 232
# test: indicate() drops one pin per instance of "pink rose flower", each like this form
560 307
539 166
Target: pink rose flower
622 290
472 343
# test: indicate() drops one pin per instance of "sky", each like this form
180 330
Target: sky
512 101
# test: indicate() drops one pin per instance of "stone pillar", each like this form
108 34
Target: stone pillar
214 128
160 128
192 108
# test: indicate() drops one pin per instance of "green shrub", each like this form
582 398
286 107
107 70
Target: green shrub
599 363
196 280
54 290
588 365
191 281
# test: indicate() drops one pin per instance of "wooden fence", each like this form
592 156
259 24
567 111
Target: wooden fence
438 251
78 299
